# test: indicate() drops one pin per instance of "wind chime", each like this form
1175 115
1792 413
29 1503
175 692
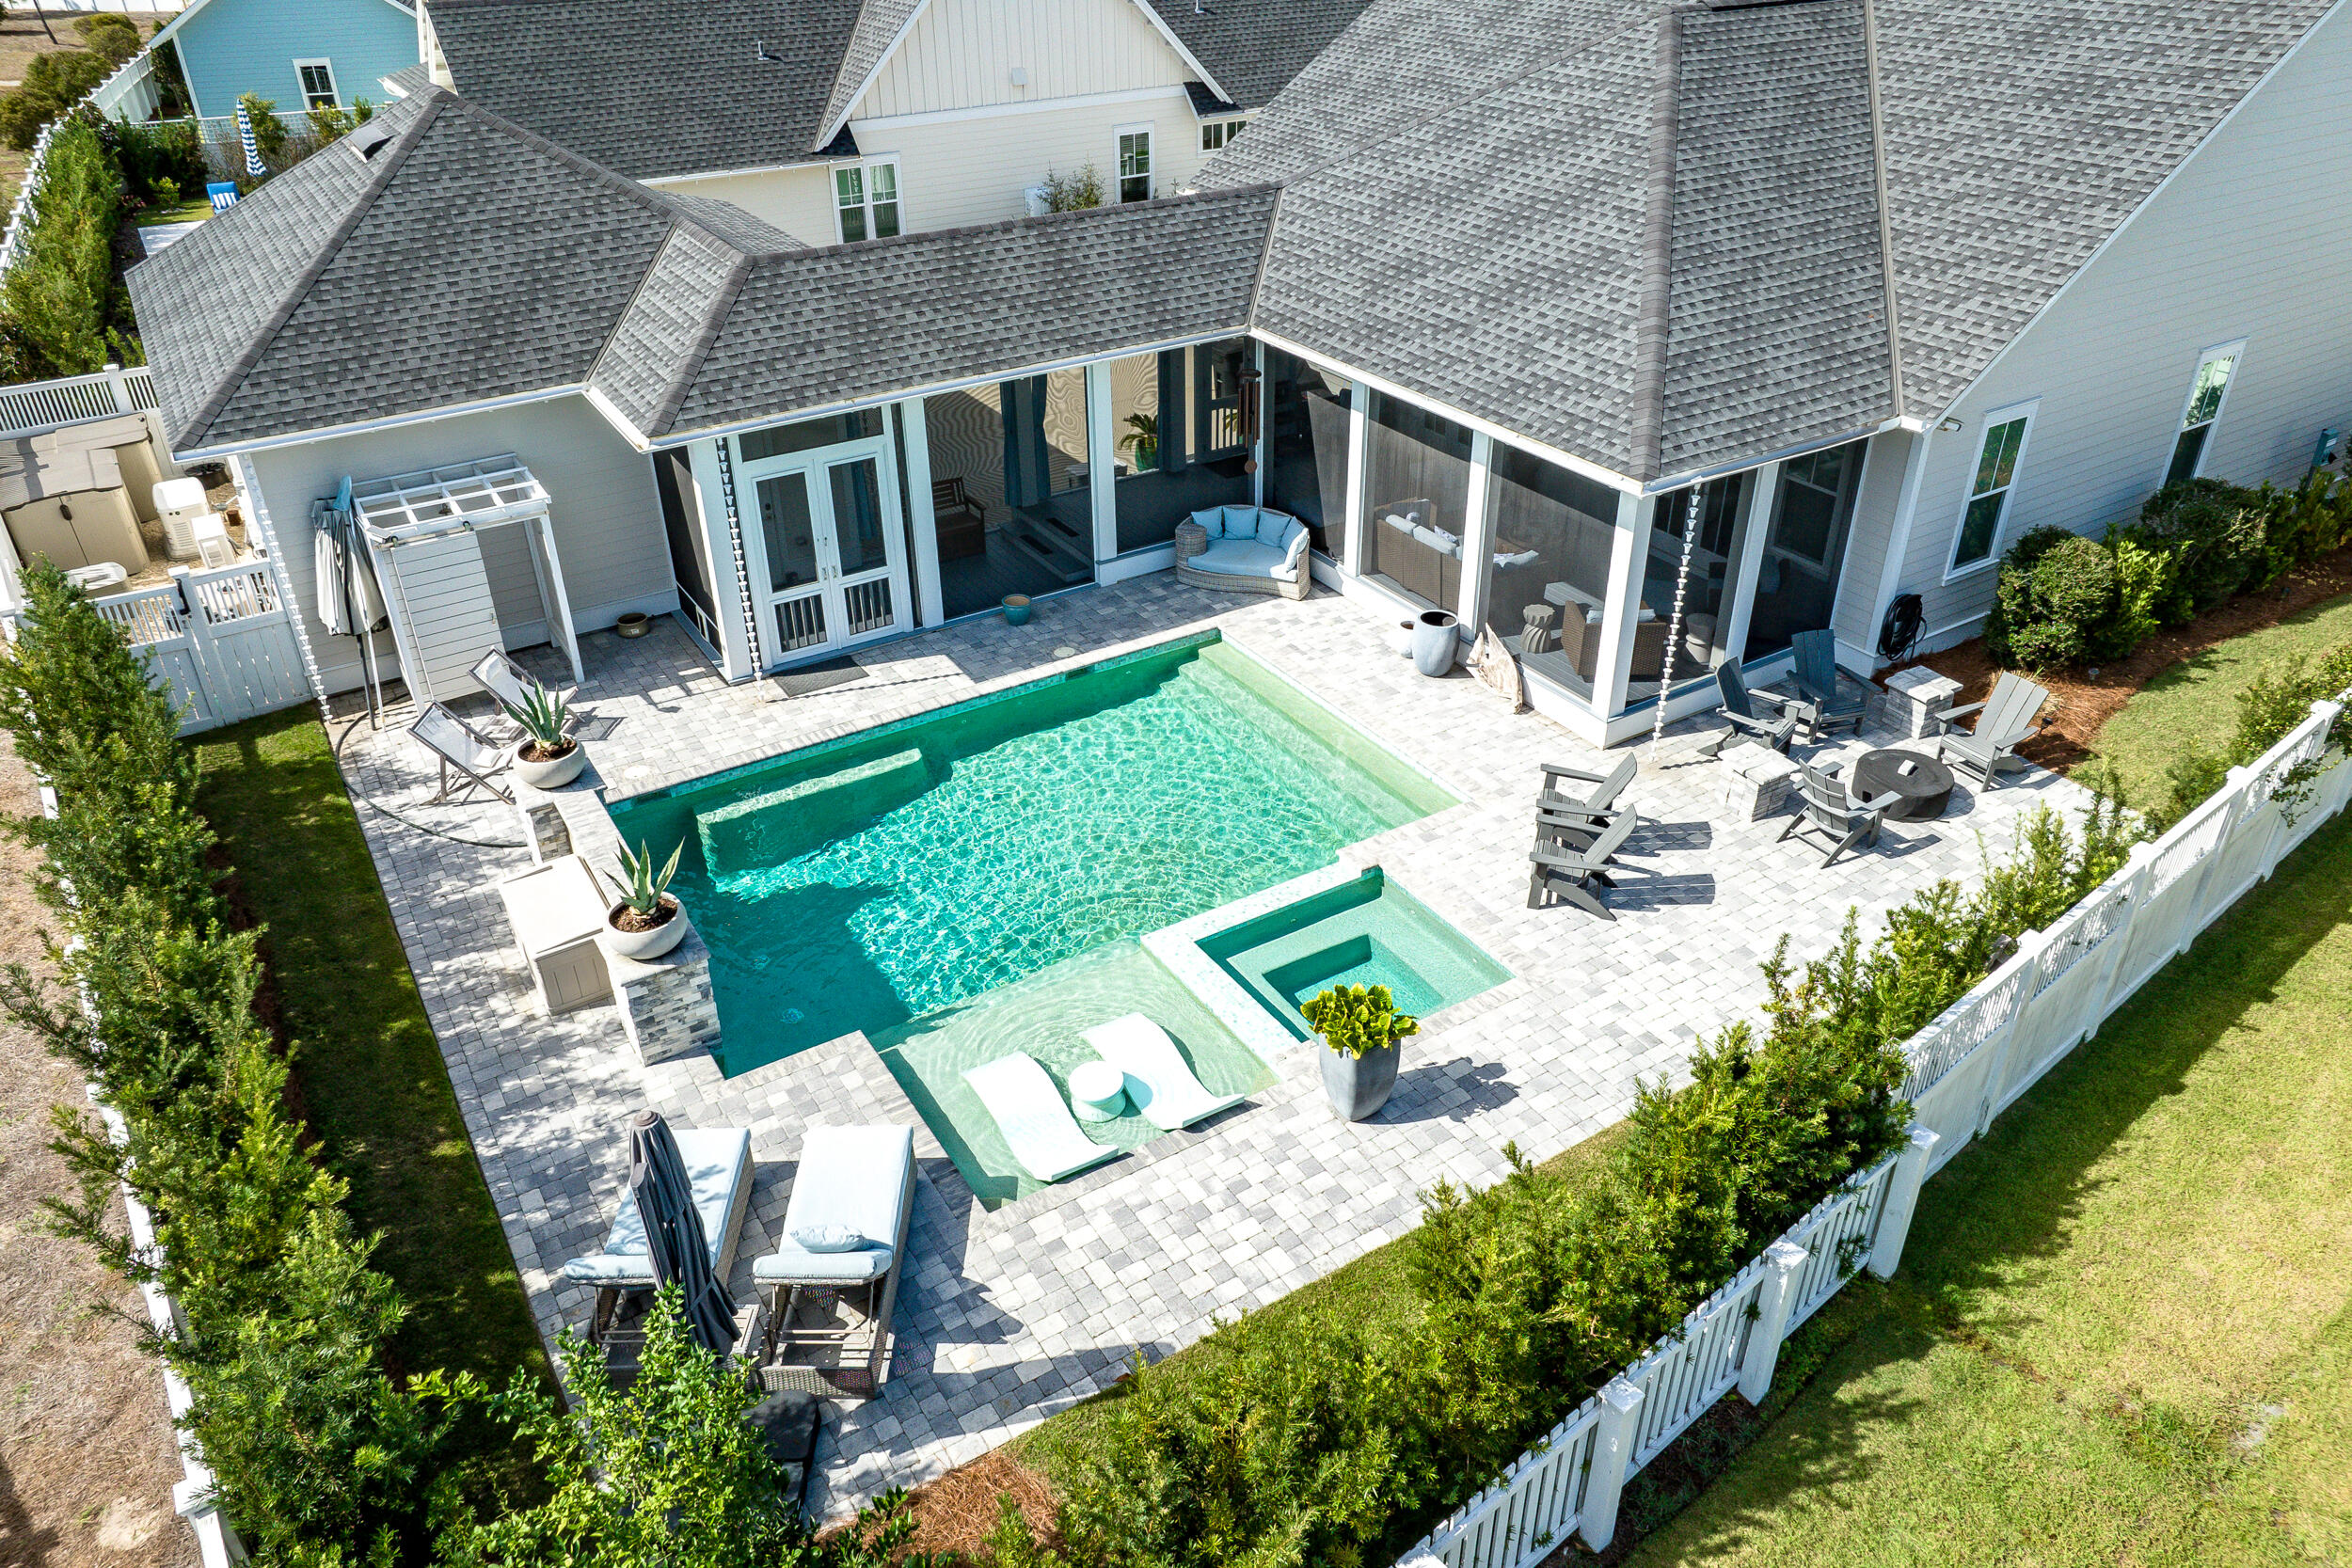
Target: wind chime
1674 625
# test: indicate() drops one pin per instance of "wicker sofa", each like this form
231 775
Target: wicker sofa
1244 549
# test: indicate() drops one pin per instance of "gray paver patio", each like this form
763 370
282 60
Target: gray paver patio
1008 1316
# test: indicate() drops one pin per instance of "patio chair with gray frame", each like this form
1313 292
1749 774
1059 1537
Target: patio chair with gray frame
1739 709
1823 807
1571 862
1827 705
463 750
2005 720
1596 803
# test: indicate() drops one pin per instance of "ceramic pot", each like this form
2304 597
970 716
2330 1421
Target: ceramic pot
644 945
555 772
1017 609
1434 642
635 623
1358 1086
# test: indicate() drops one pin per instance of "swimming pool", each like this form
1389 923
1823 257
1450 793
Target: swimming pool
869 882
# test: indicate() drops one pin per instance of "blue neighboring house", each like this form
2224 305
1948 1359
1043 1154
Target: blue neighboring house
299 54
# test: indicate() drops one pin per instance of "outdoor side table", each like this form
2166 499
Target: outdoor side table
556 910
1922 784
1098 1092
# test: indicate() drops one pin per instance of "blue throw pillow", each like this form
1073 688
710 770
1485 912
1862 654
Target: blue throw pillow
829 1238
1273 527
1241 522
1212 519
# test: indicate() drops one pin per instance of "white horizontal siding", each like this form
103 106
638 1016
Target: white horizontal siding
961 53
2246 242
798 201
956 172
607 519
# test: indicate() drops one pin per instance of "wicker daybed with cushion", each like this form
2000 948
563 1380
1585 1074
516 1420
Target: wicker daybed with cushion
1244 549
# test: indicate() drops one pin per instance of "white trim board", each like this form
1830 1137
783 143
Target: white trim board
1027 107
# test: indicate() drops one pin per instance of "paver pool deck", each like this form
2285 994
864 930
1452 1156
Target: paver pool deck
1008 1316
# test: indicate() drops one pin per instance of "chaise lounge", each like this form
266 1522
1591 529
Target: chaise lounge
1037 1125
1244 549
1161 1087
845 1230
719 1168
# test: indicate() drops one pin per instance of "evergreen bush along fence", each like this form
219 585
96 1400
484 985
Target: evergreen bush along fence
2064 599
267 1310
1972 1061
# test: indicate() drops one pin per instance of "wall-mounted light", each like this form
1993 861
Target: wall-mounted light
1948 424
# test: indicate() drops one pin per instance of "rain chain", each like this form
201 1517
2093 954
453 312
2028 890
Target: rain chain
1673 627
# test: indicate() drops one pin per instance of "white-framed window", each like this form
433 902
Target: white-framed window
865 199
1999 451
318 84
2208 389
1217 133
1134 163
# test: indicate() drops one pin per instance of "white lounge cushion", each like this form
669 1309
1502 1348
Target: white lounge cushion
1294 547
852 1179
1159 1083
1236 558
1037 1127
718 1163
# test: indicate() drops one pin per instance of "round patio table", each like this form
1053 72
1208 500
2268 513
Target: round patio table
1923 784
1098 1092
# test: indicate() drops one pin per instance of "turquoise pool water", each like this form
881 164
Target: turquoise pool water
872 882
1367 931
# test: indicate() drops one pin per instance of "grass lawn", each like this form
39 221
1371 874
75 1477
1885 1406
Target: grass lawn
188 212
370 1073
1372 1292
2122 1328
2194 704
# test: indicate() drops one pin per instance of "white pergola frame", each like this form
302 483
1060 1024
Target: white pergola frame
487 492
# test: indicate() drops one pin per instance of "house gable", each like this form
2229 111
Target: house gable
228 48
962 54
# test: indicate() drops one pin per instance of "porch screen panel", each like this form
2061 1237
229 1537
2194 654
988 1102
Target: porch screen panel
1548 574
1010 504
1796 587
1416 468
1175 421
1708 594
689 549
1306 469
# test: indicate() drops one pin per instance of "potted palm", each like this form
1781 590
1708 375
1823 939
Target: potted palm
647 921
1359 1029
545 758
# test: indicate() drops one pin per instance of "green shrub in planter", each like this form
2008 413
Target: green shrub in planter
1353 1020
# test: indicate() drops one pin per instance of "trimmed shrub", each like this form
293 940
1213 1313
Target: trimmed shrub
52 84
2019 631
2214 531
149 156
110 35
61 294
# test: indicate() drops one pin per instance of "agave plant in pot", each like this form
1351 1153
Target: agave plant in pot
545 758
1361 1032
647 921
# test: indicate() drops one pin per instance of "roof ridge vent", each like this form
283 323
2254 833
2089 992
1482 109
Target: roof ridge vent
370 139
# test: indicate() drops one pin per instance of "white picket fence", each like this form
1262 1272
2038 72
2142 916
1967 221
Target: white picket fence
35 405
1967 1066
222 638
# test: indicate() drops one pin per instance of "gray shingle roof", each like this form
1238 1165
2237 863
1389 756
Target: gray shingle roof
879 22
811 328
466 259
1255 47
1467 184
654 87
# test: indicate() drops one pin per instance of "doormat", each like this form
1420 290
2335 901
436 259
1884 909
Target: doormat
811 679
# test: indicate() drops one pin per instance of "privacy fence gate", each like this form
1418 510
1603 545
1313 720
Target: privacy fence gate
1967 1067
223 638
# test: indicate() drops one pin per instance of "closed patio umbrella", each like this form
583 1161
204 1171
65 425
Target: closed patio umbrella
674 1231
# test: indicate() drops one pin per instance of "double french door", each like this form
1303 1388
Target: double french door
834 546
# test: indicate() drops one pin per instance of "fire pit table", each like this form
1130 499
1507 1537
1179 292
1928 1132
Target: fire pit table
1922 784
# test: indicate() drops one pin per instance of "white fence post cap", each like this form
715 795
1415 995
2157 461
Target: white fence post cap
1621 1395
1785 1255
1924 1138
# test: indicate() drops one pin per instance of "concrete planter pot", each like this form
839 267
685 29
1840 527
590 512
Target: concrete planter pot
646 945
1358 1086
552 772
1434 642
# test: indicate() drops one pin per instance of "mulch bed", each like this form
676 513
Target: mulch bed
2083 702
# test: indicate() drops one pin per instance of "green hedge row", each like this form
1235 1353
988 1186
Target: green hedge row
1334 1448
2064 599
62 311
